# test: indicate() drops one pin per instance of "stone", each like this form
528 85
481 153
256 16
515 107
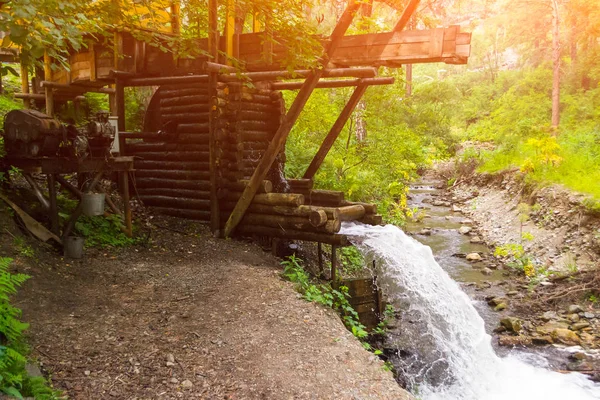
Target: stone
574 308
512 293
578 356
486 271
581 365
573 317
174 380
514 340
589 315
500 307
463 230
549 315
187 384
565 336
580 325
494 301
476 240
542 340
512 324
551 326
473 257
170 360
467 221
425 232
456 208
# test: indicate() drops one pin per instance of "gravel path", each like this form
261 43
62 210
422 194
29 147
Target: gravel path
187 317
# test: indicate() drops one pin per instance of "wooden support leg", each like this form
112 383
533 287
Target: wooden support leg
127 204
334 280
320 257
53 206
120 104
49 101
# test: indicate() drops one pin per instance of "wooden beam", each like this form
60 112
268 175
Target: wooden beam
405 17
120 104
213 47
365 72
25 85
334 83
289 120
334 132
229 29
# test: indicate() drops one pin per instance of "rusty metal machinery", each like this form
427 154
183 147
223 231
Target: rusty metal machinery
32 134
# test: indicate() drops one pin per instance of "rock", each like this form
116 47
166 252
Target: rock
170 360
187 384
473 257
581 365
86 373
565 336
578 356
174 380
589 315
512 324
542 340
580 325
549 327
514 340
425 232
456 208
549 315
574 308
486 271
494 301
463 230
500 307
467 221
512 293
476 240
573 317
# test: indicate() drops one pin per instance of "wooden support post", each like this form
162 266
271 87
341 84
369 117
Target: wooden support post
229 29
25 84
120 104
53 206
213 48
49 95
289 120
406 15
175 17
334 278
334 132
126 203
320 257
256 25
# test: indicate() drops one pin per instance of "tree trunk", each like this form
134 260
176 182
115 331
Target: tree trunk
556 67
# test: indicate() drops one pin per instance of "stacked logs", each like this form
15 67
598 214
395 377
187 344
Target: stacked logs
172 165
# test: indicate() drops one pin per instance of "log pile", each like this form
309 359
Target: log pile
172 166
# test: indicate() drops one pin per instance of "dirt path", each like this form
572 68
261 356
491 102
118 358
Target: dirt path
189 317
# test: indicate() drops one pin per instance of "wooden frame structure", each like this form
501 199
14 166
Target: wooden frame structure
346 61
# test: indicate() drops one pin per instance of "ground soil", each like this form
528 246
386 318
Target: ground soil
185 316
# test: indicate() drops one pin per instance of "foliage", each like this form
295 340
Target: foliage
14 380
351 260
323 294
103 231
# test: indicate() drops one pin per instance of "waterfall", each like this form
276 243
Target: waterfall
450 334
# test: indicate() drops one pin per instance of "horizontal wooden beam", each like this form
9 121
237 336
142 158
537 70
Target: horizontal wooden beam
166 80
335 83
76 88
274 75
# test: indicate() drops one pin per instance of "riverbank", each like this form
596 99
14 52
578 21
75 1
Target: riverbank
185 316
547 299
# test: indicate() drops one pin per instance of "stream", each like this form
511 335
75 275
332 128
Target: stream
440 345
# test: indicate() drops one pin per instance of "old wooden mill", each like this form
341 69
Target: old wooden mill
213 149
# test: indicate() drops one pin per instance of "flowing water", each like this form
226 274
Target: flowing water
449 333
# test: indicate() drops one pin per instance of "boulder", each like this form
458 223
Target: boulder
486 271
580 325
463 230
494 301
589 315
573 317
549 315
476 240
550 326
500 307
473 257
565 336
574 308
542 340
512 324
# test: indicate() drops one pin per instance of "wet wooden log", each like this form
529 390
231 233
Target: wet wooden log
318 218
264 187
292 234
170 156
371 219
175 202
287 222
193 128
193 138
171 184
178 93
199 215
175 193
270 108
264 126
270 199
326 197
370 208
138 147
351 213
301 184
199 111
184 100
185 118
256 136
171 165
172 174
296 211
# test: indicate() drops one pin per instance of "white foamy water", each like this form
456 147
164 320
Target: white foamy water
408 273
